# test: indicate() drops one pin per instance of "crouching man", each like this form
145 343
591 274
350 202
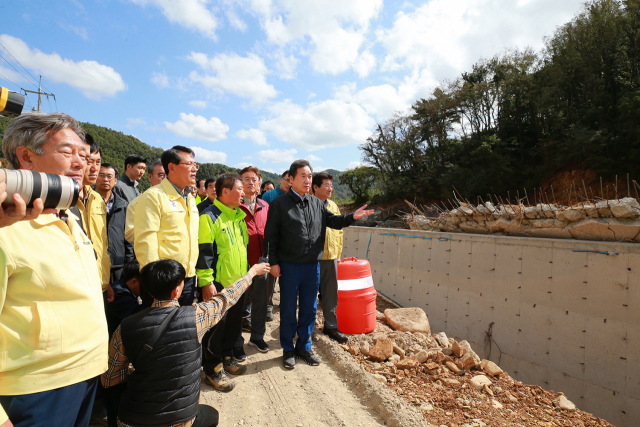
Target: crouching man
162 343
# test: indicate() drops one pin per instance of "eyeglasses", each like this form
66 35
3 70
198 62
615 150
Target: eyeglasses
285 179
161 175
248 180
103 176
191 165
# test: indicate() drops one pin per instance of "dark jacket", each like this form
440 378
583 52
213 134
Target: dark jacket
255 227
204 205
164 389
126 188
295 230
124 304
120 250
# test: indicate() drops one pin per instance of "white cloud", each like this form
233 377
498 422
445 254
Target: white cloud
192 14
242 76
198 127
256 135
160 79
286 65
94 80
313 158
353 165
78 31
277 156
336 29
135 122
198 104
448 36
242 165
208 156
330 123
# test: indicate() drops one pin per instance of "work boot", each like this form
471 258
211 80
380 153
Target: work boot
289 359
269 314
335 335
308 357
219 380
233 367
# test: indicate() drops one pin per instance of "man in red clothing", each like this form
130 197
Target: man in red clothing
261 291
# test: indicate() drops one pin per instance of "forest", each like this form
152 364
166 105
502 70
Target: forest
520 119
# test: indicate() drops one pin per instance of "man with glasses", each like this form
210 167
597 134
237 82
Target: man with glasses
155 173
283 188
322 184
166 218
120 251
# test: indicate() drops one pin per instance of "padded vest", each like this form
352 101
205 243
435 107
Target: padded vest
164 389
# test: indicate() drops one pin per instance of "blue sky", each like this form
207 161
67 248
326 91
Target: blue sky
260 82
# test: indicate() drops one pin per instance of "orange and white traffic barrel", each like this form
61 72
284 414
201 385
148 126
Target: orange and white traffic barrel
356 311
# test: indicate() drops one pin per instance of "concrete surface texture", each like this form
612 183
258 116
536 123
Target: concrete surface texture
549 312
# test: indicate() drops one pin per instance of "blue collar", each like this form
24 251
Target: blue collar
294 192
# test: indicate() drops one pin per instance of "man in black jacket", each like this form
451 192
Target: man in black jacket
120 250
295 234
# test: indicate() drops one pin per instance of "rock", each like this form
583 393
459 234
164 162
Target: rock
364 348
487 390
496 404
380 378
426 407
456 349
407 363
625 208
447 351
603 209
511 397
354 350
479 381
431 368
381 351
490 368
574 214
451 382
470 359
564 403
422 356
394 358
398 350
453 367
412 319
441 337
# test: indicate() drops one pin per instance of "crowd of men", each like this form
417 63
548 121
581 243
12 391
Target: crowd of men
124 298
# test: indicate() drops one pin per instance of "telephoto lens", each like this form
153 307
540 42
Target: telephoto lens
56 191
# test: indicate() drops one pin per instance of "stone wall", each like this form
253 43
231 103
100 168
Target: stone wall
608 220
560 315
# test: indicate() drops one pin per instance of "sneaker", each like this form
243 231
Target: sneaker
260 345
289 359
239 354
308 357
219 380
269 314
233 367
246 325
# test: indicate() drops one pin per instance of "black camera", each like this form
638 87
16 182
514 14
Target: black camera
56 191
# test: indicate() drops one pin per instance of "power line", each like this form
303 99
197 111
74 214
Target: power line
18 71
9 80
50 109
7 50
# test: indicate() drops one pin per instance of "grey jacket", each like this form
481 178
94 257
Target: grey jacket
125 188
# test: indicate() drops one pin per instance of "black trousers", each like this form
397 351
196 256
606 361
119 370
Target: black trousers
220 340
255 307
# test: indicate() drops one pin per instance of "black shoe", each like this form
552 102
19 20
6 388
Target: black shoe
308 357
239 354
260 345
289 359
336 335
246 325
269 314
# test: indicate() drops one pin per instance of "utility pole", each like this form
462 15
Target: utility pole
40 93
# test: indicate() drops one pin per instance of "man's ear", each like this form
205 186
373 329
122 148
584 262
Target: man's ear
25 157
175 293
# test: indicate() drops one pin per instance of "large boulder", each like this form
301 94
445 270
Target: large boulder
411 319
625 208
381 351
563 403
480 381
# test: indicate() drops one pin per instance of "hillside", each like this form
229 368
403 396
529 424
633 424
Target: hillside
116 146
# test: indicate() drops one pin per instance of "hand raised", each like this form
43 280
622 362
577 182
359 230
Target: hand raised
361 213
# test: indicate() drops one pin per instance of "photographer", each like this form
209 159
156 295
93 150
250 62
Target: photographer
11 214
52 316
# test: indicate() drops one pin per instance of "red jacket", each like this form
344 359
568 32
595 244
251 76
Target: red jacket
255 227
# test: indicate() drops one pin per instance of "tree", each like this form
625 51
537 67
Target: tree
361 181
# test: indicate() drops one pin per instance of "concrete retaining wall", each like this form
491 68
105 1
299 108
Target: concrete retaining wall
567 321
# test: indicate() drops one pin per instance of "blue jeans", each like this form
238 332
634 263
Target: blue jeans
68 406
298 281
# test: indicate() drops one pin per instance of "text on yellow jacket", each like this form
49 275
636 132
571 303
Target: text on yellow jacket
53 331
166 227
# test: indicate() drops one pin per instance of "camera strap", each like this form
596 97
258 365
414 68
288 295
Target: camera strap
148 347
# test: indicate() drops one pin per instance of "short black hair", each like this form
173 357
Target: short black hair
293 170
112 166
226 180
161 277
95 148
318 179
172 156
264 184
133 160
209 181
284 174
152 164
200 180
131 270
